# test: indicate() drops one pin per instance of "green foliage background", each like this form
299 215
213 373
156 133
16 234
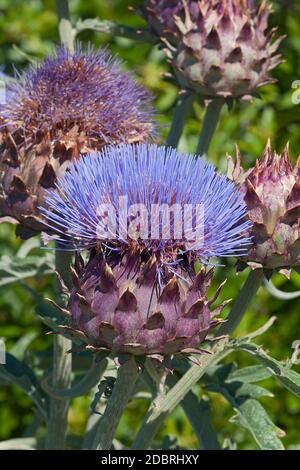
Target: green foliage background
28 30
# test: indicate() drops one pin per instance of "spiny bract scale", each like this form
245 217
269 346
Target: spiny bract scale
218 48
120 307
271 191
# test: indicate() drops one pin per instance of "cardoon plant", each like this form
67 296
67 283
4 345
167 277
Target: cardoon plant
139 292
144 232
218 48
70 104
220 51
271 192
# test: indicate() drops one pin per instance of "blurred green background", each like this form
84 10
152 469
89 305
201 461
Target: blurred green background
28 30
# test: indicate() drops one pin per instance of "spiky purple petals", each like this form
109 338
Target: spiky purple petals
151 176
84 88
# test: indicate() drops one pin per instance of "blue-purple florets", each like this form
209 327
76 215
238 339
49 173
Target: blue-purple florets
148 175
70 104
86 89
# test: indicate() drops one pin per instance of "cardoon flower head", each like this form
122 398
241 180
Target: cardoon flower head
146 213
161 15
271 192
217 47
71 103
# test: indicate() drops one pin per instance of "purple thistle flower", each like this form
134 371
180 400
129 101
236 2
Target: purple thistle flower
69 104
85 88
141 295
152 176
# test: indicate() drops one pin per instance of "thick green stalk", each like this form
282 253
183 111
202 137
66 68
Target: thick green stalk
209 125
62 361
163 406
89 380
251 286
122 392
62 369
183 106
197 411
66 31
199 415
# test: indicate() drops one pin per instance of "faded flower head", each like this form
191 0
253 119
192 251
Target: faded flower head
271 191
139 292
71 103
217 47
161 15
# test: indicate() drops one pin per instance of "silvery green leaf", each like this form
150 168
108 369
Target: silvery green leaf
23 443
114 29
250 413
249 374
246 390
16 268
243 398
20 374
252 416
239 390
281 371
22 344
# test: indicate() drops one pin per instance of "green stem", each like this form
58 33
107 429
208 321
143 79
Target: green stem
61 378
199 415
91 428
62 368
251 286
163 406
90 380
197 412
183 106
280 294
158 375
209 125
114 29
122 392
66 31
62 361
